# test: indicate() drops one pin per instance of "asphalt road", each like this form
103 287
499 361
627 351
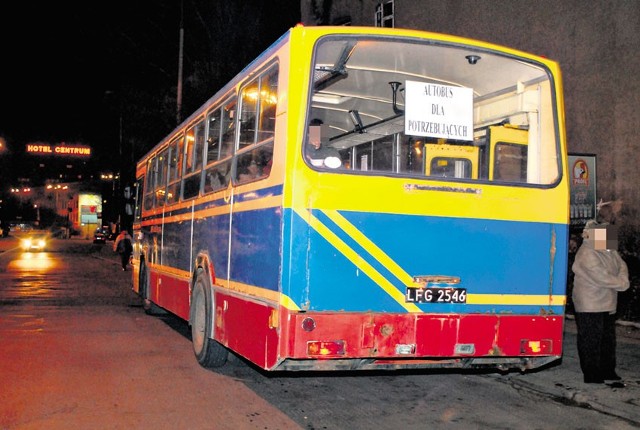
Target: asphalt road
77 351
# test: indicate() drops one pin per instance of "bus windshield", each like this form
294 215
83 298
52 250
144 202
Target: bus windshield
383 106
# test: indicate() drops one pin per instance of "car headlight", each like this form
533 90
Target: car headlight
27 243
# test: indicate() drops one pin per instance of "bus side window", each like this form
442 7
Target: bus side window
149 186
255 146
228 127
176 154
213 136
194 153
248 114
219 149
138 199
255 164
161 178
265 159
268 102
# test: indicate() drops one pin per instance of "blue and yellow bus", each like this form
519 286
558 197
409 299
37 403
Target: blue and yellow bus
365 198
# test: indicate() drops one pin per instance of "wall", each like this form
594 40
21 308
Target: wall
595 43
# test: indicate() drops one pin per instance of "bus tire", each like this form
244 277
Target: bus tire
149 307
208 351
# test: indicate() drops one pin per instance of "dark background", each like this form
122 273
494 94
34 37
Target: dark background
105 74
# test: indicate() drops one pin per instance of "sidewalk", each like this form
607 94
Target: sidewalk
564 381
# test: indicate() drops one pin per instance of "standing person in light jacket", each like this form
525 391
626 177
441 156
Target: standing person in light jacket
600 273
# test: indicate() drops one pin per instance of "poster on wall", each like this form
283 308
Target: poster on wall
90 208
582 170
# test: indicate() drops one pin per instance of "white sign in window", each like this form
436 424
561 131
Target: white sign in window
441 111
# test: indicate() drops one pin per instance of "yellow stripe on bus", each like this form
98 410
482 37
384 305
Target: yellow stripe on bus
265 202
168 270
288 303
516 299
252 290
272 201
261 293
371 247
357 260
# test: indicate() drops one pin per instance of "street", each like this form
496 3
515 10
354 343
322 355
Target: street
79 352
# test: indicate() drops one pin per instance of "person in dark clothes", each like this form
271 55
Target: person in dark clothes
123 246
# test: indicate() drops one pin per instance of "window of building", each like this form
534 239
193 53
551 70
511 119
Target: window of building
384 14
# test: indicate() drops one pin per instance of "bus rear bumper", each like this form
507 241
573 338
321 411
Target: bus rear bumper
357 341
501 364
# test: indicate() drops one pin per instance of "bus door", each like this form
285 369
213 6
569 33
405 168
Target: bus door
451 161
507 156
508 149
137 219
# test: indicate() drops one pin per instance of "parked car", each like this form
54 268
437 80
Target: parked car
101 235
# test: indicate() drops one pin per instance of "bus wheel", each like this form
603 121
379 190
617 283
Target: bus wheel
208 351
149 307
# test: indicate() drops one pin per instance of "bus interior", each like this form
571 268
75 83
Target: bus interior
358 108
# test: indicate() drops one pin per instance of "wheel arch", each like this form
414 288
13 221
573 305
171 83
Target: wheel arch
202 266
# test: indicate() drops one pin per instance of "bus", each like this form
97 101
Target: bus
361 199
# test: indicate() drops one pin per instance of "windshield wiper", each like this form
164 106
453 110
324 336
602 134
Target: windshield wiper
330 75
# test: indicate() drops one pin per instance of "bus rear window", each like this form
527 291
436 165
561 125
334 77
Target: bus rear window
380 106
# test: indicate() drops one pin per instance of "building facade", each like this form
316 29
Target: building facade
64 207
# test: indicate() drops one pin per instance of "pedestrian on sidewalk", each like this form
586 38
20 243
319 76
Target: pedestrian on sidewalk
600 273
123 246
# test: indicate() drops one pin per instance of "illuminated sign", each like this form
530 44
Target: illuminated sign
583 188
90 206
38 148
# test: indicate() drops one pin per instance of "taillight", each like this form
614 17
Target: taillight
541 346
308 324
319 348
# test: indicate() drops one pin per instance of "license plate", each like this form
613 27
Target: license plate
436 295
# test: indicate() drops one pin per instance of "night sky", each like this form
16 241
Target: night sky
74 71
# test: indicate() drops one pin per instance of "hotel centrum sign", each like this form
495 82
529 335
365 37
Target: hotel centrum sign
61 149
